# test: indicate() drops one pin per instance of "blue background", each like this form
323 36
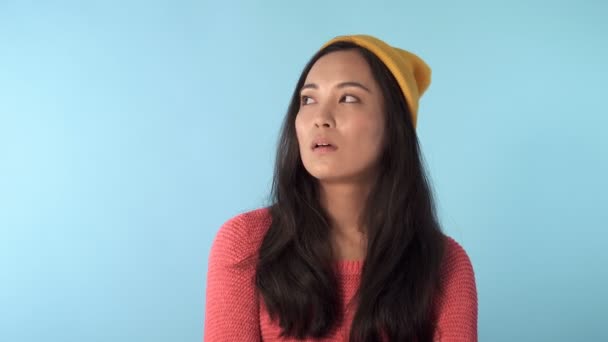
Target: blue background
131 130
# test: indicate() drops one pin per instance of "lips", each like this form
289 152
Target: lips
324 149
323 143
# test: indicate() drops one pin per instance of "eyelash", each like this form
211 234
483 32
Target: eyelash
303 99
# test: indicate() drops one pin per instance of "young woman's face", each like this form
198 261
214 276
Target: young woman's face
341 104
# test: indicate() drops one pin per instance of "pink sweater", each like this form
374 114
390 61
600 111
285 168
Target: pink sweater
235 312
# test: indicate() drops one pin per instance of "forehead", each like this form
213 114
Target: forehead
340 66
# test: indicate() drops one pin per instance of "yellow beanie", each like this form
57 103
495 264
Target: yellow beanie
412 74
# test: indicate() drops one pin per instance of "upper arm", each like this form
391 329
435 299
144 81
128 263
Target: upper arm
457 306
231 309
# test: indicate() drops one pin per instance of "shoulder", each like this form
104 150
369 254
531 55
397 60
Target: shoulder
456 258
457 300
240 237
457 274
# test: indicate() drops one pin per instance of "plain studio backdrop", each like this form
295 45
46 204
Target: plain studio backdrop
131 130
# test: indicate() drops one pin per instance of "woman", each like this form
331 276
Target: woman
350 249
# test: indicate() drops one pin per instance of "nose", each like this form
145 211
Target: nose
324 117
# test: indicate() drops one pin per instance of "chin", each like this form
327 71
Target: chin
331 177
326 175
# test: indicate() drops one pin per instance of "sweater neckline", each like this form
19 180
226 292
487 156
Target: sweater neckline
349 266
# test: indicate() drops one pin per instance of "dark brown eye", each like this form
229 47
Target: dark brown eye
349 99
305 100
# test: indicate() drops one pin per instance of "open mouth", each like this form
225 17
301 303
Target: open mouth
324 148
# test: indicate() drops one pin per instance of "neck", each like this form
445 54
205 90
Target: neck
344 204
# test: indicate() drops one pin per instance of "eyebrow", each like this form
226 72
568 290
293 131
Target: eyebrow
340 85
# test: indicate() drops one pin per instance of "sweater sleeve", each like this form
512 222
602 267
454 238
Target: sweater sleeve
457 307
231 308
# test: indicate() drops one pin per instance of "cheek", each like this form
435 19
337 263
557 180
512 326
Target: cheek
301 126
371 146
368 134
298 126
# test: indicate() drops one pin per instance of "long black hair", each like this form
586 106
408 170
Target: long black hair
405 245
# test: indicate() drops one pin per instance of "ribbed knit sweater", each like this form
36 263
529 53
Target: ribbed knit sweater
235 312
